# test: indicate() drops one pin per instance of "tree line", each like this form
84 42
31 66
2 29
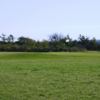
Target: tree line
56 43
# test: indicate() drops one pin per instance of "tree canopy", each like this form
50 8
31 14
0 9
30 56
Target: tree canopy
56 42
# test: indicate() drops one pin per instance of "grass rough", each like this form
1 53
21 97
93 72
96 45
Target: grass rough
50 76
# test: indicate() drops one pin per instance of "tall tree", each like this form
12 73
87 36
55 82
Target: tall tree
3 38
10 38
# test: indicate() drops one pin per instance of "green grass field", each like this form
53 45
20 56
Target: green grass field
50 76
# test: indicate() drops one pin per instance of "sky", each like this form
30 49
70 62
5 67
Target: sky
40 18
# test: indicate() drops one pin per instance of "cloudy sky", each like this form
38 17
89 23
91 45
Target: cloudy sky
40 18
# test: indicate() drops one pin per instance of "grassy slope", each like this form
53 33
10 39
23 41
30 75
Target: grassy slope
50 76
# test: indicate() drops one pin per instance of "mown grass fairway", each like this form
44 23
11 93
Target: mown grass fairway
50 76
